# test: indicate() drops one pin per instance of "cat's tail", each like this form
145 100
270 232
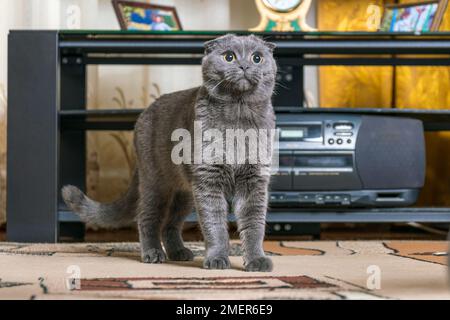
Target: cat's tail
119 213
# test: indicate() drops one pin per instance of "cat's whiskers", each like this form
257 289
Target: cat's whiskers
208 82
277 83
215 87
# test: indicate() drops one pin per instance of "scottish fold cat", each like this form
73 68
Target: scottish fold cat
238 82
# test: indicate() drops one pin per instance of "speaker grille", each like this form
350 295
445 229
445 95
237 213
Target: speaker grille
390 153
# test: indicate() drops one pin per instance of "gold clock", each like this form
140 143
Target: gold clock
283 15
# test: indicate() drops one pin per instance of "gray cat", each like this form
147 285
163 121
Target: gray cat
239 79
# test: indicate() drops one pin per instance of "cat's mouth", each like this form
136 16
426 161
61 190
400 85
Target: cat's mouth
243 84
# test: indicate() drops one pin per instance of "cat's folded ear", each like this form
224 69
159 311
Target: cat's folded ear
269 45
272 46
212 44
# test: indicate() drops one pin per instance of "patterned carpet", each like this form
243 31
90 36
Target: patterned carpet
303 270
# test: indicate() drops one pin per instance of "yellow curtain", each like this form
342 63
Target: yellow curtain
416 87
344 86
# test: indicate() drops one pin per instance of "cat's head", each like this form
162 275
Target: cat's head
239 67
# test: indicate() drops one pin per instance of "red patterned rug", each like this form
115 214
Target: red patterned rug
303 270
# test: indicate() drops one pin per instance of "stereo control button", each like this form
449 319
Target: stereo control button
306 198
331 141
340 141
346 200
343 126
319 199
343 134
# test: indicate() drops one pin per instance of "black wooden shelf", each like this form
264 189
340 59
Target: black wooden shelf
124 119
307 215
106 119
52 147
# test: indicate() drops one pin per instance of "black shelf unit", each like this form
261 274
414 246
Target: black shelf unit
124 119
48 120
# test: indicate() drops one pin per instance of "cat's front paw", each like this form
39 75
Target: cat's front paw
153 256
262 264
216 262
181 255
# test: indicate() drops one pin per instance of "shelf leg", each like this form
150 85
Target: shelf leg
33 102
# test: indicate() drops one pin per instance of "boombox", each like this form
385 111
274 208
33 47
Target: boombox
348 160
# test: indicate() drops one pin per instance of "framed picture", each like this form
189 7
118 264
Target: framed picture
146 17
413 17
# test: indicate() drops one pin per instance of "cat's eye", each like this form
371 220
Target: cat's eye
229 56
257 58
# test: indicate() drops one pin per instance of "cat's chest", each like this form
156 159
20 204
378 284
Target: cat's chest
240 116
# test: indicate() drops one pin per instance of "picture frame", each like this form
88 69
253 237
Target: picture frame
140 16
423 16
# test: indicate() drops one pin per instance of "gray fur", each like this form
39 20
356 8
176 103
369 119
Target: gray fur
165 193
108 215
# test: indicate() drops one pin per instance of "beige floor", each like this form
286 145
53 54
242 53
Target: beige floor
303 270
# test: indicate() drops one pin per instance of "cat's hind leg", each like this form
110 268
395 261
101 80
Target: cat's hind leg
181 206
153 208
